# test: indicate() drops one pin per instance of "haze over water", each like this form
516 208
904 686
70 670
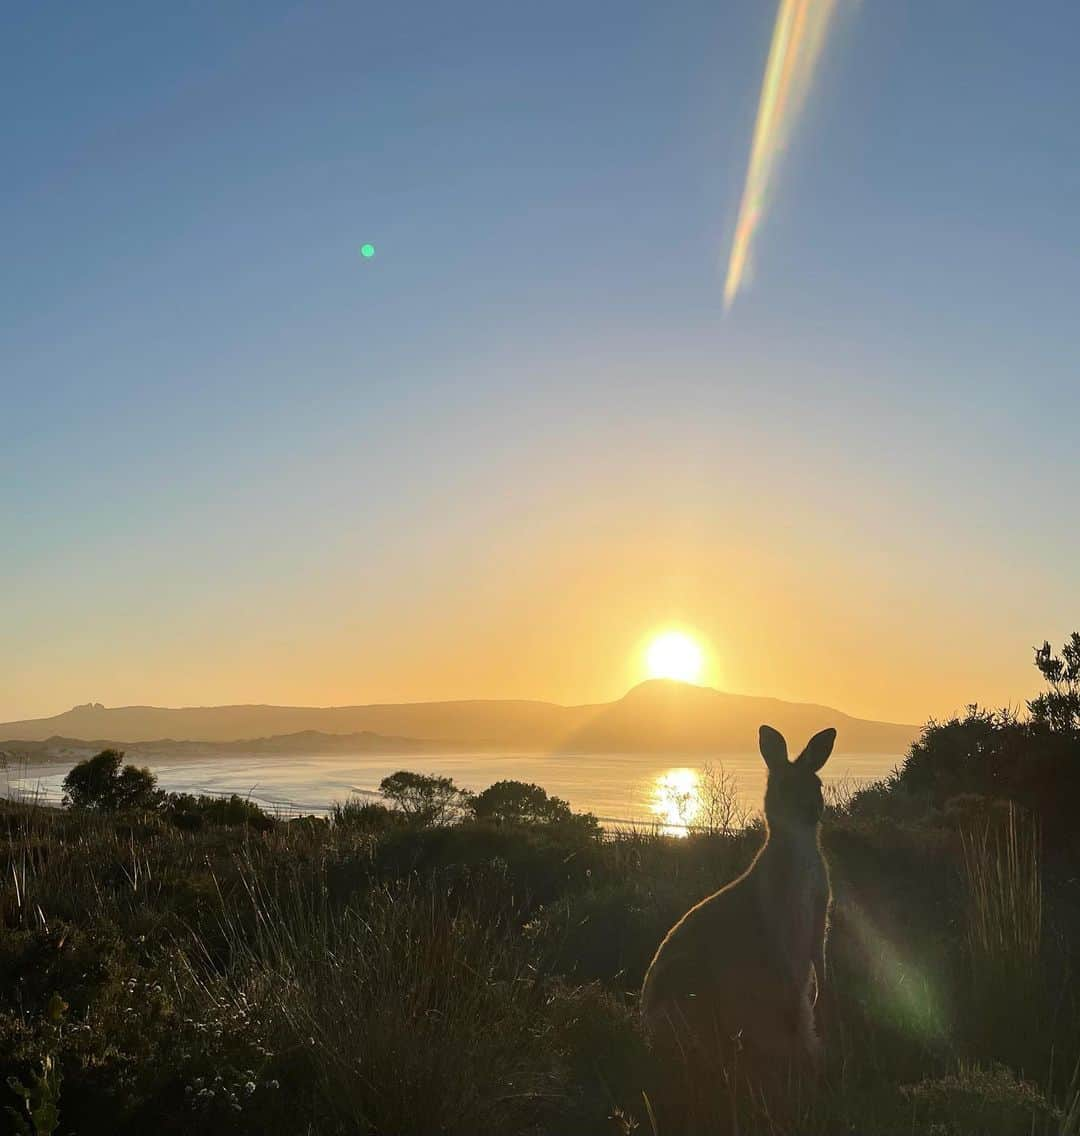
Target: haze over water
615 786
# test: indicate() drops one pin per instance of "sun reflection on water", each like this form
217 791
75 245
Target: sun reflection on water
676 800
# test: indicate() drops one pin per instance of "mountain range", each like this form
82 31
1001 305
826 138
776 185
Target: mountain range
657 716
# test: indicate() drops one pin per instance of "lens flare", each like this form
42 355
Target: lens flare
896 992
798 37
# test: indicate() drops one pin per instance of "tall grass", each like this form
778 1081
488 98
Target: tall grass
1013 995
1002 870
413 1009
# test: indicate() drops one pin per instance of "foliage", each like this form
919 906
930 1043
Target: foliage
522 803
997 756
190 811
425 799
364 816
1059 707
104 782
519 802
40 1113
987 1100
41 1099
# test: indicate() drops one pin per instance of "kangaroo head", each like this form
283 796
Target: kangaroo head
793 794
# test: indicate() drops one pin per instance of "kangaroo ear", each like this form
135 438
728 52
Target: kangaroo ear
817 750
773 747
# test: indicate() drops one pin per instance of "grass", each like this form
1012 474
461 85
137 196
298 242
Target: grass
363 976
1004 882
413 1010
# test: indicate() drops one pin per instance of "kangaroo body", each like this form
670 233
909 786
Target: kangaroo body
741 963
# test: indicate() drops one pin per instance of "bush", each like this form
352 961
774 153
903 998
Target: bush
518 802
521 803
973 1099
104 783
364 816
191 812
998 756
425 799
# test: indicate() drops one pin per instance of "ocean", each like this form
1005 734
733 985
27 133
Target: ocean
617 787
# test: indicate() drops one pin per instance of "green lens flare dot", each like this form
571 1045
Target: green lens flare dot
367 251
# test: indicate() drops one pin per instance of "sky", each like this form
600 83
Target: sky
242 463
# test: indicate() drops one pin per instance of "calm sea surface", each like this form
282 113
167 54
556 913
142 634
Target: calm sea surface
614 786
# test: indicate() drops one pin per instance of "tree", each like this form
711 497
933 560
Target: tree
1059 707
101 783
424 799
518 802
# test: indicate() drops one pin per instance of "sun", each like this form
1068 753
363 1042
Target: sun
674 655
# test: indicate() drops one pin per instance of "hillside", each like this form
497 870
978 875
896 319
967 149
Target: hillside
655 716
672 716
307 742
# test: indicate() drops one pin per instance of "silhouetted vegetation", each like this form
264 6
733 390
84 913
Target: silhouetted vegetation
104 782
197 811
973 764
365 816
425 799
522 803
517 802
441 963
1058 709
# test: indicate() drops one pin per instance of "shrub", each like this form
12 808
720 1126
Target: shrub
104 783
720 809
359 815
996 755
425 799
522 803
973 1099
518 802
193 813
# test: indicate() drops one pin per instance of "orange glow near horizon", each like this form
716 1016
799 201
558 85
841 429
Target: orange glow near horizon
565 612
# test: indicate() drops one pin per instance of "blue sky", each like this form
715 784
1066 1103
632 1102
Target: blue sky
242 463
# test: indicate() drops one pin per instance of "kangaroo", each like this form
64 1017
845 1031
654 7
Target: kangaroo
739 963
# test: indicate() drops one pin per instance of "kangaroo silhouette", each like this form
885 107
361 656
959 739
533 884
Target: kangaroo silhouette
740 963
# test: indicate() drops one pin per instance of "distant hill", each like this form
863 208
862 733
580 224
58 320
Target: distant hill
659 715
302 742
677 717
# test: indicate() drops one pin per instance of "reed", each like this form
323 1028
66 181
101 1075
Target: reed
1003 875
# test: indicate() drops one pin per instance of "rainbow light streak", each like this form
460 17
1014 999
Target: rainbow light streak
797 41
